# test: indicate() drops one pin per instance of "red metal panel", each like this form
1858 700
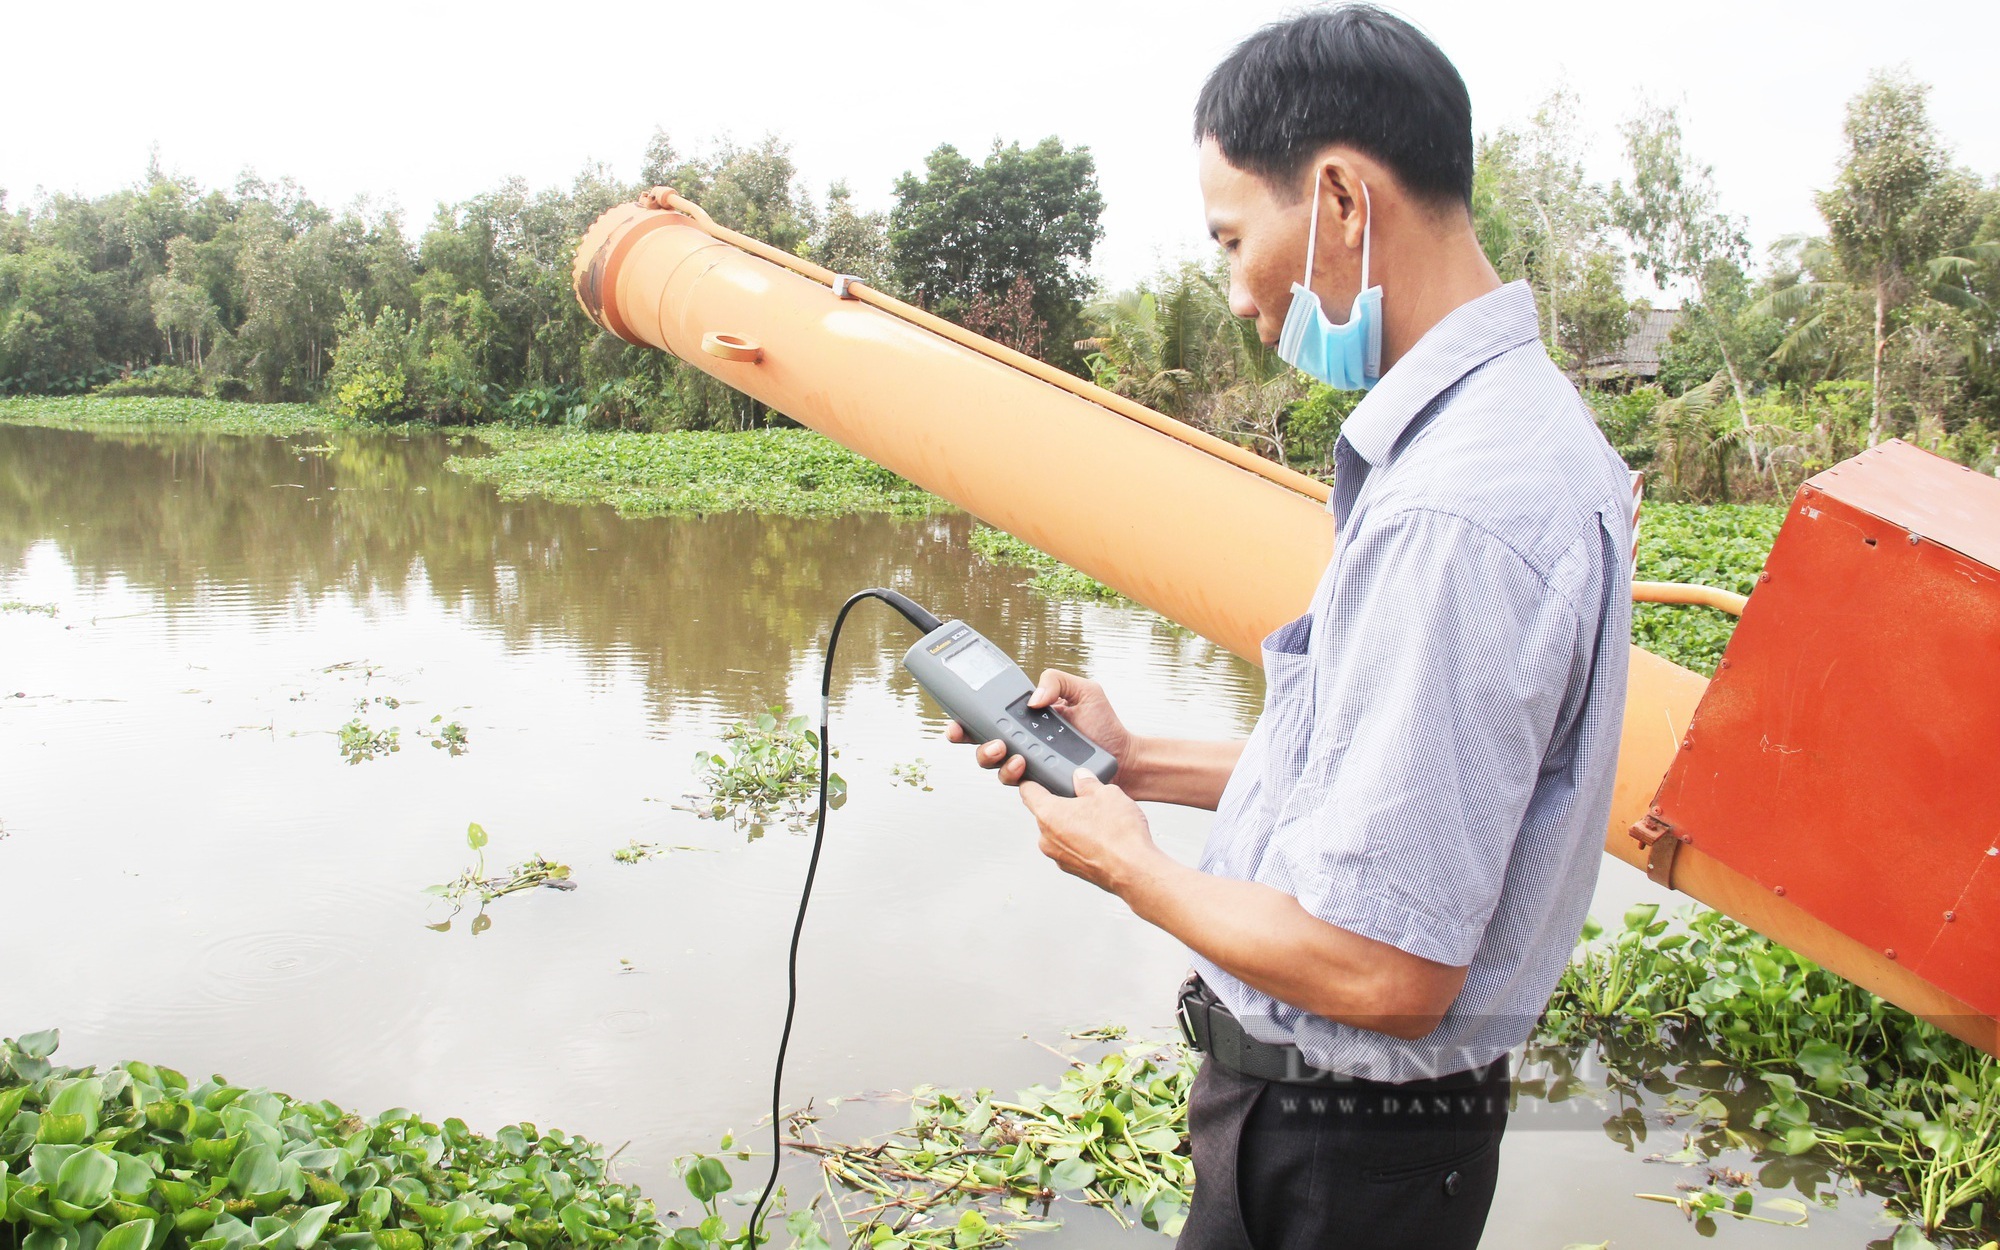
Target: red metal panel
1847 754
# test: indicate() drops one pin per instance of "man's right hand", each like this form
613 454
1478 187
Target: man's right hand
1082 704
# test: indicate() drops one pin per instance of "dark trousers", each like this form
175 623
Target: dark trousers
1365 1166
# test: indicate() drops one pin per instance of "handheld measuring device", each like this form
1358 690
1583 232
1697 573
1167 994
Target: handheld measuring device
987 692
984 691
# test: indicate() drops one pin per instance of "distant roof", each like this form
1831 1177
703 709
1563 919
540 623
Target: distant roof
1639 356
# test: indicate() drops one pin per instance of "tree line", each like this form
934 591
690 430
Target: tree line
1885 323
261 293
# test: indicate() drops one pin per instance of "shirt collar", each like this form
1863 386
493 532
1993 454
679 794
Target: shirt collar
1469 336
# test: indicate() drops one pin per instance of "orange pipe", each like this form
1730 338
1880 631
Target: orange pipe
972 426
1198 529
1310 487
1682 592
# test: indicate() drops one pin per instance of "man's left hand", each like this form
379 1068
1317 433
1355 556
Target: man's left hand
1100 835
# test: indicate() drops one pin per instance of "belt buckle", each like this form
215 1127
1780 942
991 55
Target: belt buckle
1183 1018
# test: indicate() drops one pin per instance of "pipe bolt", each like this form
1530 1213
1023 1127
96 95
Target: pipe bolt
1778 890
1891 952
1950 916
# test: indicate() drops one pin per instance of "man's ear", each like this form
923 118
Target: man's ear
1346 208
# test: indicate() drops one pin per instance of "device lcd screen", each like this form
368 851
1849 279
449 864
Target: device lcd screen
977 664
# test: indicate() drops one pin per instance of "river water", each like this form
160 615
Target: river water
194 875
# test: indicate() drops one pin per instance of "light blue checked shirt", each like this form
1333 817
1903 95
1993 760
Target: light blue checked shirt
1434 763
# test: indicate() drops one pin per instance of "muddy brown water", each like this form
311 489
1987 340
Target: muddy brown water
193 875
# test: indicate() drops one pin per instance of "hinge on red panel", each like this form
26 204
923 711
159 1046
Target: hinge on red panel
1661 845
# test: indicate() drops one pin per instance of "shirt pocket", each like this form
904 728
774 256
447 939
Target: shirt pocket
1288 712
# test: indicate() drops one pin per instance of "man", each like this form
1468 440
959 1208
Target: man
1404 848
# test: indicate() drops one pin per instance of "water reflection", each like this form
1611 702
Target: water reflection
717 610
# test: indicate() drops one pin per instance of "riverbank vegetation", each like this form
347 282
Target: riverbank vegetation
136 1156
1720 545
793 472
1050 576
204 416
1884 324
1812 1066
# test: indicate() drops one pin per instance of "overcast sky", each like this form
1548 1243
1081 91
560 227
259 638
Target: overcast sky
411 102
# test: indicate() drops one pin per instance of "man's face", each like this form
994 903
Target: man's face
1263 233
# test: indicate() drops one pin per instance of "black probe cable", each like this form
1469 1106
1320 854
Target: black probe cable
924 621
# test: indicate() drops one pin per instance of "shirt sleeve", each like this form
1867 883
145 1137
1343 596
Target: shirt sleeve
1429 733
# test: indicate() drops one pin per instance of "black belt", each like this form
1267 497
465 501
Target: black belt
1210 1027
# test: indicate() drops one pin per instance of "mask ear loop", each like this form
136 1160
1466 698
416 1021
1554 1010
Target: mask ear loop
1367 230
1312 234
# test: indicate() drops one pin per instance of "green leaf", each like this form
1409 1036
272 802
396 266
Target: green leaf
475 837
1910 1237
46 1160
39 1045
398 1239
805 1231
1799 1140
255 1171
332 1161
1071 1174
52 1239
373 1206
61 1130
707 1179
575 1222
215 1150
223 1096
1162 1141
81 1097
131 1235
1940 1137
10 1104
135 1175
313 1223
972 1229
1822 1060
85 1179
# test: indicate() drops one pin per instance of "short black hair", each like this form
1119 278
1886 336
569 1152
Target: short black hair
1355 75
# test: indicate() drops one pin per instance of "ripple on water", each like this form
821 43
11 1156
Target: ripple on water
250 967
628 1023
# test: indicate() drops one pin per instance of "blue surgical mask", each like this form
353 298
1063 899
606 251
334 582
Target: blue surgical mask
1346 357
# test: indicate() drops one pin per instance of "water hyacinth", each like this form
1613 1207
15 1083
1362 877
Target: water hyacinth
139 1157
1111 1135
